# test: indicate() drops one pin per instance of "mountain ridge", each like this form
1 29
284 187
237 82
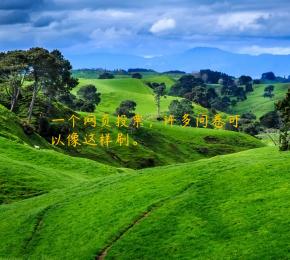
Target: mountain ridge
193 59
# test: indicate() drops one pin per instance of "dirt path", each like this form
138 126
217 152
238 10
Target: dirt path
103 253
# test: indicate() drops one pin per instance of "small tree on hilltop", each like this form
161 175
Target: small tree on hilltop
268 91
106 75
283 107
137 75
127 108
159 91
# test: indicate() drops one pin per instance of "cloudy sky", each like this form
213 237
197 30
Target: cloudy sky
146 28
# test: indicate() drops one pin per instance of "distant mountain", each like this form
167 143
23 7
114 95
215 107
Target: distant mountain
192 60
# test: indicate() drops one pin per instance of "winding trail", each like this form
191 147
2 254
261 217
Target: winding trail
36 228
103 253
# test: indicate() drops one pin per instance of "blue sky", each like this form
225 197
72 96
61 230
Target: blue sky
145 28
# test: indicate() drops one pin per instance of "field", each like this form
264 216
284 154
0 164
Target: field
213 208
114 91
259 105
182 193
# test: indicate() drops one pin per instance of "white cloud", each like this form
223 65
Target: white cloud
257 50
162 25
241 20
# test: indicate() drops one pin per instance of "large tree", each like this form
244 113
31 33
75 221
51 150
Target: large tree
13 70
50 73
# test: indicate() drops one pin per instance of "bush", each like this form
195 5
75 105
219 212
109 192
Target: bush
271 120
126 108
137 76
106 75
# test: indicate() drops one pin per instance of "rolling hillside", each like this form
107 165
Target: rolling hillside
205 193
157 144
259 105
114 91
173 211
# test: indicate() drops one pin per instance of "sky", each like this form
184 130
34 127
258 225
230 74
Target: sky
146 28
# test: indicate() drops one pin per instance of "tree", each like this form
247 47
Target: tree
87 107
213 77
89 93
249 87
185 85
137 75
50 73
248 124
179 108
13 70
283 107
200 95
127 108
62 82
249 116
159 91
221 103
106 75
243 80
41 69
252 128
240 93
271 120
268 91
211 94
268 76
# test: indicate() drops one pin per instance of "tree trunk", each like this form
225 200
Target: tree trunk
16 93
284 142
32 101
158 107
14 99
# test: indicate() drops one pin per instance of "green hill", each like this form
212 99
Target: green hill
169 81
259 105
192 202
114 91
157 144
223 207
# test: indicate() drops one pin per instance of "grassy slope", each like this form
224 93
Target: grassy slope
26 172
231 210
215 208
158 145
169 81
114 91
83 205
162 145
259 105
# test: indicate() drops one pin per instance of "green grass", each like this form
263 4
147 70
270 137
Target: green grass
169 81
259 105
26 171
198 203
215 208
231 210
114 91
157 144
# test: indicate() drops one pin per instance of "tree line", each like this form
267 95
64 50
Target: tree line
35 71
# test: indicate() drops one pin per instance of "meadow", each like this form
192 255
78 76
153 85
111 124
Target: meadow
182 193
